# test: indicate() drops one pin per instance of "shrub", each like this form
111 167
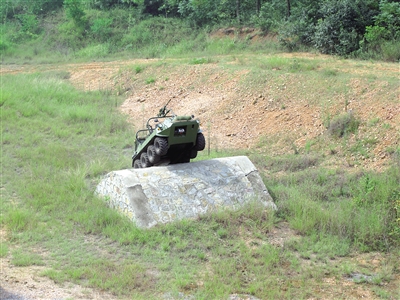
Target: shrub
342 26
29 24
101 29
70 35
75 12
94 51
3 45
342 125
157 31
391 50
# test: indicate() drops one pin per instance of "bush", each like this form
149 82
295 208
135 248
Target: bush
101 29
157 31
382 40
94 51
75 12
29 24
293 35
270 16
341 27
391 50
342 125
4 45
70 35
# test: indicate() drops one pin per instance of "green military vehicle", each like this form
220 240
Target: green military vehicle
176 139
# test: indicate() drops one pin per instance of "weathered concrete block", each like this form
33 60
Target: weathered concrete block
157 195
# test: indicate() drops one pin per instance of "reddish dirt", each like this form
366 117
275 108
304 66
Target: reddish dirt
234 117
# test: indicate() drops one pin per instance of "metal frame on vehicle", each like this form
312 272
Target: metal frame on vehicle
175 140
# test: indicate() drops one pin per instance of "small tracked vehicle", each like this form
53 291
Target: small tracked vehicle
168 139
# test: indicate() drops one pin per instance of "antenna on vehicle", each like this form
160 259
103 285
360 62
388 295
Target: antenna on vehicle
163 111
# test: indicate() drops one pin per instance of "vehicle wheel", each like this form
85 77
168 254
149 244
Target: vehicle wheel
193 153
153 156
200 142
144 160
161 146
137 164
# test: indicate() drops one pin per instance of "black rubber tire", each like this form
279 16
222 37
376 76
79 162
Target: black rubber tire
136 164
153 156
144 160
161 146
200 142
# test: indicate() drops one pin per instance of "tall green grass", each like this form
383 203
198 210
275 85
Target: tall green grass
360 207
55 140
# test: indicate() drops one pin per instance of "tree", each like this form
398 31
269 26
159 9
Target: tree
389 18
258 6
383 37
238 11
74 10
341 27
288 8
271 15
9 9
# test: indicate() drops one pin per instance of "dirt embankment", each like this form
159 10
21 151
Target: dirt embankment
279 116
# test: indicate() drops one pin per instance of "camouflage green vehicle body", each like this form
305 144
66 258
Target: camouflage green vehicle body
176 139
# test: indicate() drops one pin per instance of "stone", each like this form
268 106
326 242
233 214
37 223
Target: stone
159 195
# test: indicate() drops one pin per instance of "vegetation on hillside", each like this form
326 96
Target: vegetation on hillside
142 28
59 141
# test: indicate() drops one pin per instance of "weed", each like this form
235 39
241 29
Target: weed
199 61
342 125
150 80
138 69
381 293
307 147
95 51
19 219
373 122
222 233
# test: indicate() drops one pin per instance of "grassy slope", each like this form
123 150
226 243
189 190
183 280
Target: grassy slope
58 141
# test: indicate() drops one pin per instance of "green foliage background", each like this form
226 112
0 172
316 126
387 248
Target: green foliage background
365 29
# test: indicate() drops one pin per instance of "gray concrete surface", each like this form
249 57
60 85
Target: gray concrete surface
159 195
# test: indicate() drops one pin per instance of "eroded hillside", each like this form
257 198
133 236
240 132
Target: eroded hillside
279 104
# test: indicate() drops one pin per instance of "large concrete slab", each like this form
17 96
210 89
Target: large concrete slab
160 195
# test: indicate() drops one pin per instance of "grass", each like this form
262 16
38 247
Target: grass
57 142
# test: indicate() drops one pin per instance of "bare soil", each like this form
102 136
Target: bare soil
234 118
